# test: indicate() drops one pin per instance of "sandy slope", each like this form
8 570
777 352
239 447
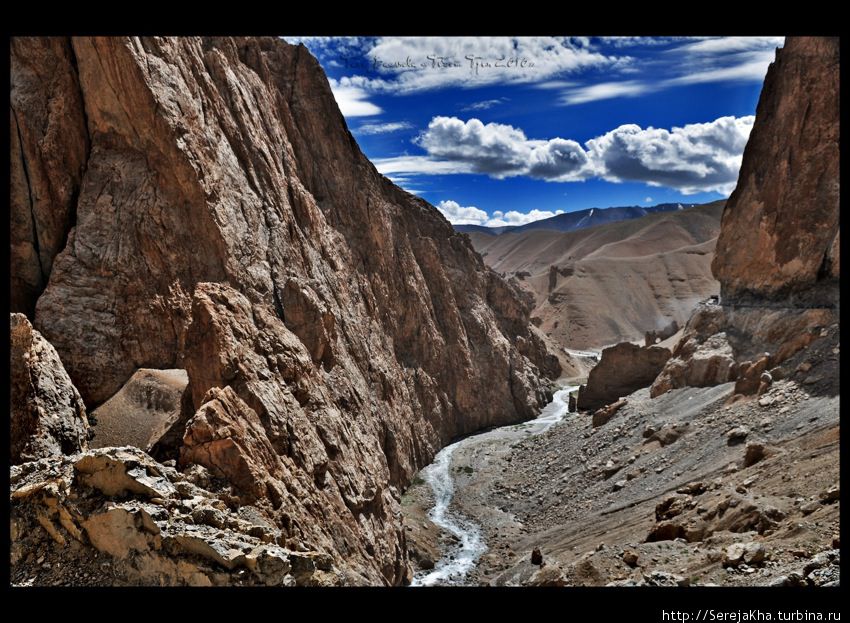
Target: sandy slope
613 282
139 412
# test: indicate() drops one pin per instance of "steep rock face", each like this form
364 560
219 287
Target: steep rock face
48 152
623 368
779 233
228 224
48 417
778 250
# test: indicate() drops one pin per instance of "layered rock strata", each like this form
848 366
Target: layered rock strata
336 331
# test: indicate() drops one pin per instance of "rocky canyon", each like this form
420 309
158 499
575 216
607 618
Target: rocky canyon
199 204
242 356
700 456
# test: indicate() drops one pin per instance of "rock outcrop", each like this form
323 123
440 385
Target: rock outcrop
778 249
228 224
48 153
48 417
623 368
115 517
779 232
703 357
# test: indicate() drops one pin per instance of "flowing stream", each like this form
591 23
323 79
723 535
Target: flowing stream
457 562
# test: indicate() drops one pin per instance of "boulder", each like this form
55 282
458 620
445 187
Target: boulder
47 414
697 362
622 369
536 556
750 376
631 557
604 415
744 553
142 410
755 452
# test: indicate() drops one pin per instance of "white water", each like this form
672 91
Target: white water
457 562
593 354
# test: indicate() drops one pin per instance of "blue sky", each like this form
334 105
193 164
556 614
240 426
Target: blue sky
501 130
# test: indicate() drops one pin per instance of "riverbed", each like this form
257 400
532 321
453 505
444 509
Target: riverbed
468 544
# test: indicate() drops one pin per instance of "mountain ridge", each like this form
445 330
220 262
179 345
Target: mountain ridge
579 219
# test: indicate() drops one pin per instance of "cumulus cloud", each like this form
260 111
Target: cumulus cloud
519 218
471 215
352 101
459 215
647 199
501 150
693 158
383 128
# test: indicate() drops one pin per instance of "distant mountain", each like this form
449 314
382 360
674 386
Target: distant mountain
597 286
573 221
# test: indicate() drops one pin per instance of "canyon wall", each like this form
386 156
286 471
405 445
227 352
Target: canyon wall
778 251
779 235
220 218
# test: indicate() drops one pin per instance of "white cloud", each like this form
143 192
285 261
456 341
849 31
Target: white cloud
416 64
752 67
485 105
693 158
501 150
352 101
459 215
556 84
419 165
520 218
632 41
471 215
605 90
717 45
716 59
383 128
647 199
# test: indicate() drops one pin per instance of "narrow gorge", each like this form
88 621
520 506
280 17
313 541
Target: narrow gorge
243 356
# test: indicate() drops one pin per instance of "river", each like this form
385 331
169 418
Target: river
453 567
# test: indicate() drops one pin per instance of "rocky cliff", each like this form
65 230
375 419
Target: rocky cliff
777 255
221 219
779 232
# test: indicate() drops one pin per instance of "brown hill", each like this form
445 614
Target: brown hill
612 283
